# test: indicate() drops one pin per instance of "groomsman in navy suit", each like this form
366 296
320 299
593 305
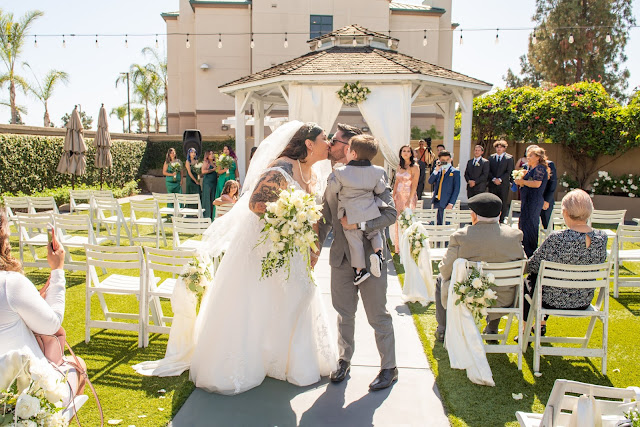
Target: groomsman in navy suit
445 181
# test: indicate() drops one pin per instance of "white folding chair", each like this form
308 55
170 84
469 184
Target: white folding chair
168 199
516 206
42 205
109 213
557 275
606 217
222 209
14 206
102 193
112 258
564 405
77 200
457 217
185 200
32 230
626 234
507 274
426 216
75 231
439 236
191 227
146 207
160 260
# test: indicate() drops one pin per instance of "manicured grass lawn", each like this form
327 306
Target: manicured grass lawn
468 404
123 393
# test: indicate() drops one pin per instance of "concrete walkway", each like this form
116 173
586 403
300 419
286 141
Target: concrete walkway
412 401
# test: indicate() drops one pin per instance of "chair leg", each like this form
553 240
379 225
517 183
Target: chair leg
103 305
536 348
587 335
605 341
87 311
507 328
616 276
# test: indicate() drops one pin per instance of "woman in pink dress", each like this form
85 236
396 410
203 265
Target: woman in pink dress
404 189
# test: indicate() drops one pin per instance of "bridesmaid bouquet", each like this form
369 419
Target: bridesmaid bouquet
517 174
174 166
34 396
196 170
406 218
475 292
288 227
417 241
225 162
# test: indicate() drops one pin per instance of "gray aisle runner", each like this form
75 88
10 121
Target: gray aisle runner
412 401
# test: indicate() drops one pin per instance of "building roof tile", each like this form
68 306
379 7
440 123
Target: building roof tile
415 8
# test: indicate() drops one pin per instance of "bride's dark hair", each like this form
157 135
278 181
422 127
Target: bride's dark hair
296 149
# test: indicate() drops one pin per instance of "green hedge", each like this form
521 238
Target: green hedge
28 162
61 194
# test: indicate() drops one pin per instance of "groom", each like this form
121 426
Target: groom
344 294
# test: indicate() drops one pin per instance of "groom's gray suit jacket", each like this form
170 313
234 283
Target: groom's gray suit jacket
373 291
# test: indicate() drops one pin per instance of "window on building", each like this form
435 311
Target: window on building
320 25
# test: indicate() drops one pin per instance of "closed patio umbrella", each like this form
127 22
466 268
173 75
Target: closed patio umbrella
103 143
73 161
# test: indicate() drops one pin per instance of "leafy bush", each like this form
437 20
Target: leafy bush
625 185
61 194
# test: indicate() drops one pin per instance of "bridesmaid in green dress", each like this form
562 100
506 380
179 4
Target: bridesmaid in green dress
193 184
209 181
172 171
226 174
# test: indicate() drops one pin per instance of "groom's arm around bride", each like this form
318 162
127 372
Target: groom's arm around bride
344 294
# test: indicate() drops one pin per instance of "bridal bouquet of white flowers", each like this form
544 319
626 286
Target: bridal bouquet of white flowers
476 294
417 241
288 227
406 218
34 396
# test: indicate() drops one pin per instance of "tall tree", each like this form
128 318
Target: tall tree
159 66
138 115
580 40
12 38
144 81
120 112
44 90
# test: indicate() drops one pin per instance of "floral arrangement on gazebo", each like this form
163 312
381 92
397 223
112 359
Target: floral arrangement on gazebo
352 94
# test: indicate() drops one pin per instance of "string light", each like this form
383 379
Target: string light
187 44
253 44
64 42
157 41
319 44
534 39
286 42
35 41
354 42
424 40
126 42
497 37
571 39
96 41
389 42
608 38
219 40
461 41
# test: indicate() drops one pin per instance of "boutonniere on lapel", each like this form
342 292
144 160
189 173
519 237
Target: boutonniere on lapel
450 173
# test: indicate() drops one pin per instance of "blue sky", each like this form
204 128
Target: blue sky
93 71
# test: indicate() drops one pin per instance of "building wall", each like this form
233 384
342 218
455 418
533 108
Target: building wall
194 98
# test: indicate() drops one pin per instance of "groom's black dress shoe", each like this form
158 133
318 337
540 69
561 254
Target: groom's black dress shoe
341 373
385 378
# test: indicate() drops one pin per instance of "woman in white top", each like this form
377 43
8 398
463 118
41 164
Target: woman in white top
24 310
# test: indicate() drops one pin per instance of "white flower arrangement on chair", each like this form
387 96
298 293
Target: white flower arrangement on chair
475 292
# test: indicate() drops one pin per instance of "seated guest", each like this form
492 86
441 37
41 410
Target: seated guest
579 244
484 240
229 193
25 311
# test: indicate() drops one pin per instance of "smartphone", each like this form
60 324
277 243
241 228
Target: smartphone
51 238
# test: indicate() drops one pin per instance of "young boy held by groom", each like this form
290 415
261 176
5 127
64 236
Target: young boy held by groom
357 184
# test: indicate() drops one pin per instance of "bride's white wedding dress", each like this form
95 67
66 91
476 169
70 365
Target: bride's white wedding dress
250 328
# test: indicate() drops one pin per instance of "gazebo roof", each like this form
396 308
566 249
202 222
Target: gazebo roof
351 31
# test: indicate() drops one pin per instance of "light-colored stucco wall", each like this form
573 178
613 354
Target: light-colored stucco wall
194 98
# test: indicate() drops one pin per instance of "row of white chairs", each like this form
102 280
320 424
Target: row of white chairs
141 280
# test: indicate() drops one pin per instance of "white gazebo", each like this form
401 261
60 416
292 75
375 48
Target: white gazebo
307 86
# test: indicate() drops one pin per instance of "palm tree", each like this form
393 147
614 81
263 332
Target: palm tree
138 117
144 80
120 112
12 38
157 97
159 67
44 91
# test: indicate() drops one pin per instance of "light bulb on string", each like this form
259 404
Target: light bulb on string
64 42
354 42
157 41
286 42
35 41
608 38
424 40
219 41
187 44
461 40
571 39
497 41
126 42
534 39
389 42
253 44
319 44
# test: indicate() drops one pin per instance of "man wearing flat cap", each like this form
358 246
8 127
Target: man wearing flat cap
486 239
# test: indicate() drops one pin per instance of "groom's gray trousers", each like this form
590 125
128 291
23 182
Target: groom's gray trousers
373 291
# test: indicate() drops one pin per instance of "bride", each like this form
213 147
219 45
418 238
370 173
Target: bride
249 327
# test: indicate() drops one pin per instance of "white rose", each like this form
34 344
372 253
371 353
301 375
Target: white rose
418 244
27 406
55 392
56 419
26 423
296 226
285 229
462 289
302 216
630 182
468 300
274 235
476 283
279 246
416 251
564 184
491 278
632 195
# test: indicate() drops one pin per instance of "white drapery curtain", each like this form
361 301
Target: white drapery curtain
318 104
387 112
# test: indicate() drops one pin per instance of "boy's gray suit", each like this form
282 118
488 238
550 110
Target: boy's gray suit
357 185
344 294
